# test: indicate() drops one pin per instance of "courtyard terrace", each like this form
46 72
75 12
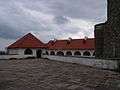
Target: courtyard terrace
42 74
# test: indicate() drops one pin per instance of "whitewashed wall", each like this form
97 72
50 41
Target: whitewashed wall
72 51
106 64
9 56
13 51
19 53
14 56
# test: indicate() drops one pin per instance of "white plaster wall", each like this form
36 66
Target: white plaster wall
9 56
73 51
106 64
13 51
20 52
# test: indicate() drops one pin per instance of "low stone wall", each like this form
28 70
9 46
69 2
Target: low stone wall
99 63
14 56
8 56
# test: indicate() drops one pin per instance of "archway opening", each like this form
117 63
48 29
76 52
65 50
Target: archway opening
60 53
38 53
52 53
94 54
69 53
86 53
77 53
47 53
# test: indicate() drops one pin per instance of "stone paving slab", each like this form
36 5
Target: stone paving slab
42 74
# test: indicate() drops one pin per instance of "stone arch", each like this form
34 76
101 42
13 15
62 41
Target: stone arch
28 51
77 53
69 53
86 53
60 53
52 53
47 53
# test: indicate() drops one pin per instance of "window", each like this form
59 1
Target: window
86 53
77 53
52 53
28 52
60 53
69 53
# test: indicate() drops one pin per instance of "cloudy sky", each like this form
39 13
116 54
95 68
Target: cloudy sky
49 19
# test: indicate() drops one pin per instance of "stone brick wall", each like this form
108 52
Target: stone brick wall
99 40
108 37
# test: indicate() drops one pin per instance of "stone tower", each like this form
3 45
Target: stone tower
108 34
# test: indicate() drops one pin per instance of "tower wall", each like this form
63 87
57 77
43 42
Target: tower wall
110 33
99 40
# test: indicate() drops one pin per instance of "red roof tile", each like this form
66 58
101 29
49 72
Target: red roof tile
73 44
28 41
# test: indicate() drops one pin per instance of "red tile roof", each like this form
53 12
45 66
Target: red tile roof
73 44
28 41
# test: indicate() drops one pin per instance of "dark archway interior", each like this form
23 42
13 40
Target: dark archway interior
28 52
86 53
52 53
60 53
69 53
77 53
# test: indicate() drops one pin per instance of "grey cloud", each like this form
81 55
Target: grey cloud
8 32
14 22
87 9
61 20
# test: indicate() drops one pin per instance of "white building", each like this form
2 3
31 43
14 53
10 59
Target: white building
72 47
71 50
27 47
30 47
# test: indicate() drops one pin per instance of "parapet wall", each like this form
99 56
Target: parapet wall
2 57
99 63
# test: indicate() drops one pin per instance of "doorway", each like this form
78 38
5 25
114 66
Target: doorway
39 53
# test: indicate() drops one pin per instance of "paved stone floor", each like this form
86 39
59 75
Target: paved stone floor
52 75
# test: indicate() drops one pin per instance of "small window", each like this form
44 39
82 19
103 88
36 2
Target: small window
28 52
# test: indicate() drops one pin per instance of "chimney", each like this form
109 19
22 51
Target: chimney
55 40
85 39
69 40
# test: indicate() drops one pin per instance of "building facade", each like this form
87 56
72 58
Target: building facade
27 47
30 47
72 47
